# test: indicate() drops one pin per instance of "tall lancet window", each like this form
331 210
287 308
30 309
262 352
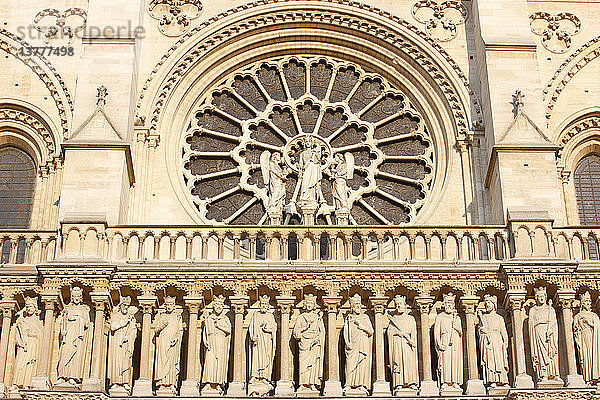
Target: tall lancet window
17 186
587 190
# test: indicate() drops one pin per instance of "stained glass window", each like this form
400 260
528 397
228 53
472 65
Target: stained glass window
17 185
587 190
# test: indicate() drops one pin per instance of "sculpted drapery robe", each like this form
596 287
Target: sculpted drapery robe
448 343
358 333
262 331
73 339
311 176
216 336
276 186
493 342
309 330
29 330
340 186
586 326
543 338
402 339
169 330
123 330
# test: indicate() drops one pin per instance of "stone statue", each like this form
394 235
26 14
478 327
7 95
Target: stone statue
402 339
73 338
262 331
358 335
309 331
123 332
447 331
168 331
586 327
309 164
216 337
493 343
342 170
543 337
274 174
29 333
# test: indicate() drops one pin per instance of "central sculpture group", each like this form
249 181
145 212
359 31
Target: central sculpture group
310 334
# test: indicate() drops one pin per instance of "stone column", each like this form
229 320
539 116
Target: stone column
143 385
380 387
8 307
514 302
333 386
565 301
42 381
189 387
94 383
474 384
238 386
285 385
428 385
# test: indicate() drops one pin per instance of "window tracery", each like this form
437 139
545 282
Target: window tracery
17 185
300 105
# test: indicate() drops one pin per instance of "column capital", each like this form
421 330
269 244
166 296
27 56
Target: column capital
239 303
332 303
379 304
469 303
514 299
193 303
147 303
285 303
8 307
100 299
424 302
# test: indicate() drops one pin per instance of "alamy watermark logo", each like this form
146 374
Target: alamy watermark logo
59 29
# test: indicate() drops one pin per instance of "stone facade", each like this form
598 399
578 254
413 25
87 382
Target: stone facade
301 198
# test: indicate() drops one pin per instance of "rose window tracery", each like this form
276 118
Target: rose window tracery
307 140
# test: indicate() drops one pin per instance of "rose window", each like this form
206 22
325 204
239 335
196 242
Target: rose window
307 140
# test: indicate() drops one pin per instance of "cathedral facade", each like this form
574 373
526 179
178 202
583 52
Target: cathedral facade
300 198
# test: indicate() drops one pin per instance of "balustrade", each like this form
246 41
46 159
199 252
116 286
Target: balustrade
283 243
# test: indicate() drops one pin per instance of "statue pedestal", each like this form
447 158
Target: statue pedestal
40 382
208 391
405 392
475 387
118 391
166 391
189 388
142 388
523 381
332 388
355 392
498 390
303 391
550 384
429 388
92 384
451 391
237 389
381 389
575 381
308 213
342 216
65 386
284 389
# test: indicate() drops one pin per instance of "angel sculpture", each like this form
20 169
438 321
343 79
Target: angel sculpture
342 170
274 174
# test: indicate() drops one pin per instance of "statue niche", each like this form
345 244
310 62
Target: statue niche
586 328
402 347
447 334
493 343
262 331
28 337
168 332
123 332
216 338
309 331
358 344
74 336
